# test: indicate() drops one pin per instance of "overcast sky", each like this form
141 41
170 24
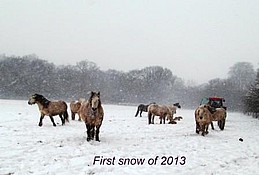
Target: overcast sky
196 39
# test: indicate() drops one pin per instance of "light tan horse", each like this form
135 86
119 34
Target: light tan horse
220 116
158 110
203 119
50 108
74 107
91 112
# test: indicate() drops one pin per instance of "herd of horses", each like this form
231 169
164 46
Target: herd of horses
92 113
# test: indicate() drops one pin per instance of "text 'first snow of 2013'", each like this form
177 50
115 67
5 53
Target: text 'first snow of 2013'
156 160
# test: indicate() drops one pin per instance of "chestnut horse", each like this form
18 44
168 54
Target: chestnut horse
50 108
159 110
91 112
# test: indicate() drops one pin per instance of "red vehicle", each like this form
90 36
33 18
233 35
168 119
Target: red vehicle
215 102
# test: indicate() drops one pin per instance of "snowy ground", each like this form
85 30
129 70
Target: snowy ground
26 148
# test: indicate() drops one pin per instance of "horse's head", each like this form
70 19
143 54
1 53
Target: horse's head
177 105
203 114
38 98
33 99
95 101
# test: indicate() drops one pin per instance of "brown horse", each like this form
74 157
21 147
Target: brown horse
203 119
50 108
158 110
91 112
74 107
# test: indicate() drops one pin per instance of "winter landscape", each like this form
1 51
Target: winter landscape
128 144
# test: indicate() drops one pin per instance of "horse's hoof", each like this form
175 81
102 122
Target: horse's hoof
40 124
88 139
54 125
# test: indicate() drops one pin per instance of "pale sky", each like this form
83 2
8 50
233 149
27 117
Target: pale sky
196 39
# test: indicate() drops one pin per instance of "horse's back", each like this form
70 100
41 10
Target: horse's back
55 108
219 114
58 105
156 109
75 106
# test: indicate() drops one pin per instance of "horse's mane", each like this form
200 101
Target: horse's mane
42 100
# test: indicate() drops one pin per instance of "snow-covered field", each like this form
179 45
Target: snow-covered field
128 144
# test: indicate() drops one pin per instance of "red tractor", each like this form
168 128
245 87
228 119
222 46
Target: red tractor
215 102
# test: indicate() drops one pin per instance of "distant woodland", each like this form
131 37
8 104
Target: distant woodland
23 76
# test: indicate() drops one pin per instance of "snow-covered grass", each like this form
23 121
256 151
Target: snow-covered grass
26 148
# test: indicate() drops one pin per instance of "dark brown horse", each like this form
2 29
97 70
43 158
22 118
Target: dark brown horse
50 108
142 108
91 112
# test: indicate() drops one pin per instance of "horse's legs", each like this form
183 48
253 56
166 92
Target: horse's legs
41 118
52 120
203 130
62 119
140 113
90 132
88 128
206 129
153 119
149 117
212 127
197 128
79 118
97 133
72 115
137 112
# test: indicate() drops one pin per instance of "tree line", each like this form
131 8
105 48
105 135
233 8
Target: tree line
26 75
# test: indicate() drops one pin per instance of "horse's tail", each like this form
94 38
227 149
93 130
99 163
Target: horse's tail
137 112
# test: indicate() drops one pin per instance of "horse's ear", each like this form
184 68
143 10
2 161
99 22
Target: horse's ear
89 92
35 95
98 93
